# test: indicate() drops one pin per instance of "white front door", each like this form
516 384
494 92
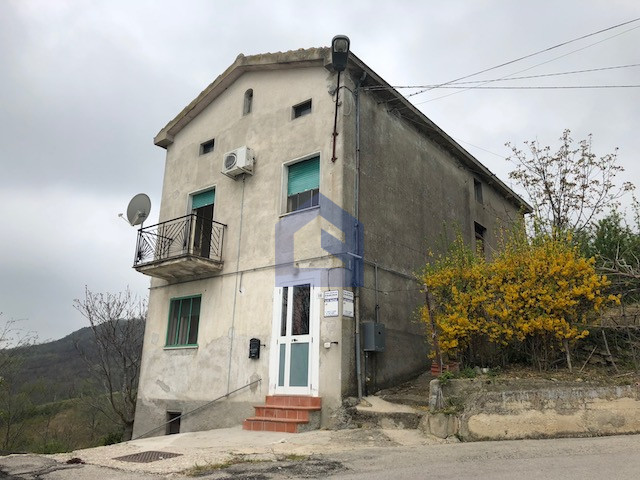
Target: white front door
294 358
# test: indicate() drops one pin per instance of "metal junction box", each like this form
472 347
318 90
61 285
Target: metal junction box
373 336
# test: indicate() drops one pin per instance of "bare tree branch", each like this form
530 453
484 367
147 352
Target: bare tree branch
117 324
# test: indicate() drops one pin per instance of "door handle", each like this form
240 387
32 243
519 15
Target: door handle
294 339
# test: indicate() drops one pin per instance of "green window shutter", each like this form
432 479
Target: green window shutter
203 199
303 176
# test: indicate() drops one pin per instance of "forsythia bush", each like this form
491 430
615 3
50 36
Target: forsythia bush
529 300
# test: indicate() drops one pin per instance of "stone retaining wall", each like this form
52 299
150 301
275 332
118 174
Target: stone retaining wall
489 409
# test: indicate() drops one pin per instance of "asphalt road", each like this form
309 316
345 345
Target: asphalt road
603 458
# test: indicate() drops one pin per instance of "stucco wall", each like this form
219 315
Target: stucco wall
239 306
414 198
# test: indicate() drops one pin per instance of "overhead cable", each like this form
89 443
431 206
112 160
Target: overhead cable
534 54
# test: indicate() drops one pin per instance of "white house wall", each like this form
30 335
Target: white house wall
238 307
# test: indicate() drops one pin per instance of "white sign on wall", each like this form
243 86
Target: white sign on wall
331 300
347 303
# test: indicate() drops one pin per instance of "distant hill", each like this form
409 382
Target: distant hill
58 365
49 400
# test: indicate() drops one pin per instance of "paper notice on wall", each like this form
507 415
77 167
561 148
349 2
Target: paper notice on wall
331 303
347 303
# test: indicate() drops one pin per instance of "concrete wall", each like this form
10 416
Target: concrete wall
514 409
237 304
414 198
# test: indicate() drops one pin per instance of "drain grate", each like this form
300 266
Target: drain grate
147 457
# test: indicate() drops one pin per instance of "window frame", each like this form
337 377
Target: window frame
247 106
204 146
285 183
480 236
297 110
477 191
172 301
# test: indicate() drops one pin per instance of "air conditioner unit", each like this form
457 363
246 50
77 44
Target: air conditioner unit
238 161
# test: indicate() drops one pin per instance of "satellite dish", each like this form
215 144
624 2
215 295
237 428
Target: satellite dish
138 209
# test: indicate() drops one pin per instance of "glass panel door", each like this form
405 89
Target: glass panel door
294 340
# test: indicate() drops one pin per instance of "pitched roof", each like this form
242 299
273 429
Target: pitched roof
313 57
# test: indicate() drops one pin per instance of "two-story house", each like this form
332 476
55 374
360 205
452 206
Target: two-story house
294 215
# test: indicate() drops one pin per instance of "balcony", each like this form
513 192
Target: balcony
188 247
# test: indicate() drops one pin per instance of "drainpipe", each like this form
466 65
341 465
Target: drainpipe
375 267
356 315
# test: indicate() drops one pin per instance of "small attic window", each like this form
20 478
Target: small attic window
207 146
301 109
248 101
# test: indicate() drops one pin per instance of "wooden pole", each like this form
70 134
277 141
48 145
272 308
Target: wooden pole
565 343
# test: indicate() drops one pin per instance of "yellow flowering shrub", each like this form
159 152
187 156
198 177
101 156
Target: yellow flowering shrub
530 299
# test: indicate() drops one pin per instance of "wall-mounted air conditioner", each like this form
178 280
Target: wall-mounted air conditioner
238 161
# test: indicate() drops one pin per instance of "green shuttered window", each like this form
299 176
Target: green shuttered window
203 199
303 184
304 176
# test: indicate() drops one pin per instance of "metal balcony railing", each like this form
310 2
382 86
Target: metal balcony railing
190 235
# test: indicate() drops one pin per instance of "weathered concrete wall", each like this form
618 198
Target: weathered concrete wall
483 409
415 197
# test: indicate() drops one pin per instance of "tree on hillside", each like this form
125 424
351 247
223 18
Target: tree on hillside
615 244
15 403
117 323
568 188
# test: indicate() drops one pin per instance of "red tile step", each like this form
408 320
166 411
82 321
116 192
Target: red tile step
285 413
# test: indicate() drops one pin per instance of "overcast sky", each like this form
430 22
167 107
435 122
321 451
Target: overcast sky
85 85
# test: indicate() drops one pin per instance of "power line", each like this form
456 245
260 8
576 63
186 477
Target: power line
531 87
533 66
524 77
533 54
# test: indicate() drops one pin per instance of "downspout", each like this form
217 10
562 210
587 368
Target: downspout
356 315
375 267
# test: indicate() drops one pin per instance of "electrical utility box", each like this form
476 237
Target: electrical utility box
373 336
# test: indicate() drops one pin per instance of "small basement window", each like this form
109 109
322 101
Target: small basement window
477 190
173 425
301 109
207 146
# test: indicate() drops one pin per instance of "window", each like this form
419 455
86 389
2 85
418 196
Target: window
303 184
480 238
173 425
477 190
301 109
184 317
202 208
248 101
207 146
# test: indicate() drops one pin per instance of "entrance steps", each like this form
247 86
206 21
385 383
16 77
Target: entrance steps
286 413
